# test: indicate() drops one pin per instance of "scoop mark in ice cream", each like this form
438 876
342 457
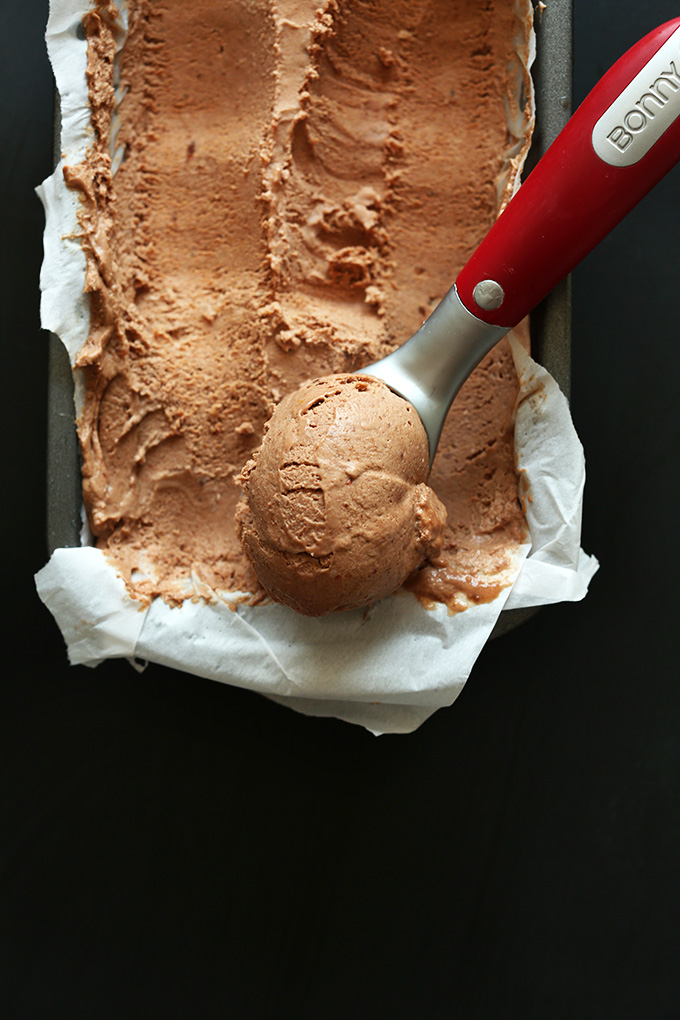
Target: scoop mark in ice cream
301 183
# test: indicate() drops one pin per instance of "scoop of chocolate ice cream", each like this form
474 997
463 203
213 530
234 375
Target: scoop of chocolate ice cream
335 512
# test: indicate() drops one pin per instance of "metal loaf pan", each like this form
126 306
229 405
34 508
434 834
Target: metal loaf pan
550 329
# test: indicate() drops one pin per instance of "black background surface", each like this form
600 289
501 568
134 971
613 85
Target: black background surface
171 847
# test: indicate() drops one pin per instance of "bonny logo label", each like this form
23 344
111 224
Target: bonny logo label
643 111
646 108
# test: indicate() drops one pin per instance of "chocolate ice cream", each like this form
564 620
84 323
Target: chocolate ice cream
336 513
280 191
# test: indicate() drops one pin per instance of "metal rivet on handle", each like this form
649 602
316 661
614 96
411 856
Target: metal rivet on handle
488 295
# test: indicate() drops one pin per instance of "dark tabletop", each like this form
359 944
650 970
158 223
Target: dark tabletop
171 847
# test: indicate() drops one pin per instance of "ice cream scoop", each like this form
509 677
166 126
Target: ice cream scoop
336 513
620 142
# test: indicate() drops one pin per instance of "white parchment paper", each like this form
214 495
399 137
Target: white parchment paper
386 668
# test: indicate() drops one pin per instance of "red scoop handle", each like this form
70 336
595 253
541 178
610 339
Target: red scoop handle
619 143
